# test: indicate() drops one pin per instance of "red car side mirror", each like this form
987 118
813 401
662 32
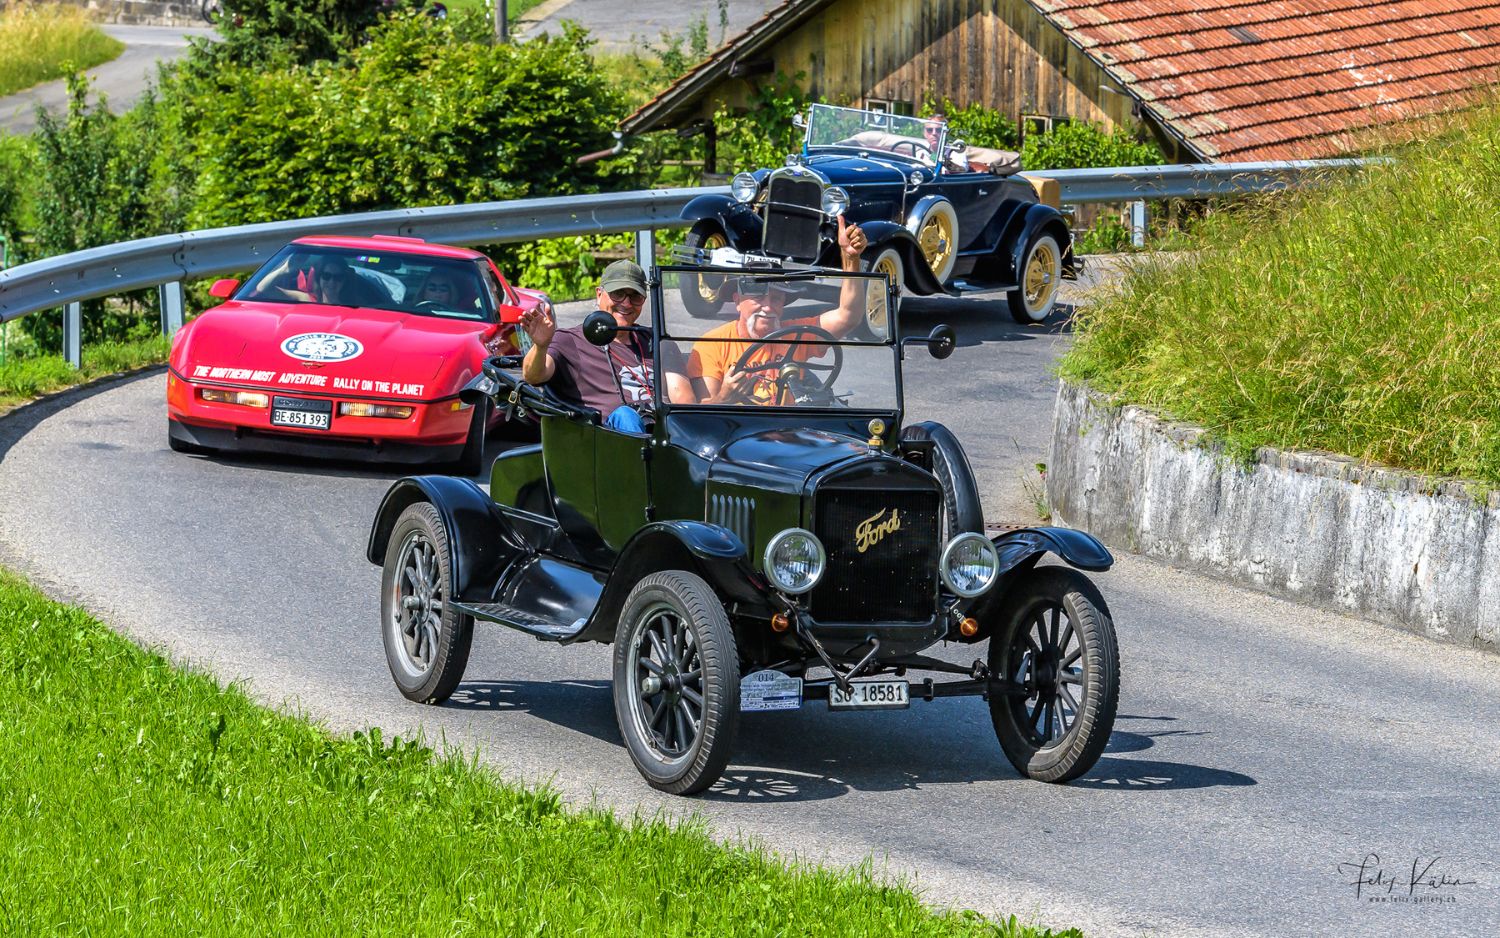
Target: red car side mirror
511 314
223 288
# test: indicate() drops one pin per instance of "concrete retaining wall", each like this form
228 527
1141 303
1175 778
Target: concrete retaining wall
144 12
1325 530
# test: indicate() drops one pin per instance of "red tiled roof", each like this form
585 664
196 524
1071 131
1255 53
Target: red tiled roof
1286 79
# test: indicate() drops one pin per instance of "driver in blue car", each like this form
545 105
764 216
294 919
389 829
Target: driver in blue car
720 370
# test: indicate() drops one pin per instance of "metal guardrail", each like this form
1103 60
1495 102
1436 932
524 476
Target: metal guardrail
165 261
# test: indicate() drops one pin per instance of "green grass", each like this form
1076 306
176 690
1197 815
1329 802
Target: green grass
24 378
1360 318
41 42
143 799
514 9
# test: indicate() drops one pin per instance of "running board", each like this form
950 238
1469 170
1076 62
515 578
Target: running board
522 621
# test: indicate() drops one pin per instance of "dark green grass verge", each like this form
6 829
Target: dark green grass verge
141 799
22 379
1360 318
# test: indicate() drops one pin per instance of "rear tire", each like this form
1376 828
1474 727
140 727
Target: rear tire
426 640
1054 633
676 682
704 294
962 510
1037 282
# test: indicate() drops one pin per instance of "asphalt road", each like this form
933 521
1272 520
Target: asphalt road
622 27
122 81
1260 744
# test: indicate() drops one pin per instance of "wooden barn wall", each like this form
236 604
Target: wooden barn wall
1002 53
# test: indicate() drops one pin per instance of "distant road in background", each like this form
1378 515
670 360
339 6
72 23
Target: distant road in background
619 27
122 81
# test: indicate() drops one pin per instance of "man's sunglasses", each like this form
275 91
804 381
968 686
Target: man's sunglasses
626 296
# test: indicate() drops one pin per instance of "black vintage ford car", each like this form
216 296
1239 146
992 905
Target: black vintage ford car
938 214
791 543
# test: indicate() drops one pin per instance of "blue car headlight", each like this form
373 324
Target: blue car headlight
744 187
835 200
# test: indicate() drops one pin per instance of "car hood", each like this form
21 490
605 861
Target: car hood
276 345
792 455
845 170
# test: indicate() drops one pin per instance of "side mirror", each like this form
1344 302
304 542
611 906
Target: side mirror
958 145
510 314
941 341
600 328
799 120
479 389
223 289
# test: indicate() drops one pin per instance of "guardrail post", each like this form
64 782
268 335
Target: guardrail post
73 334
169 295
1138 223
645 248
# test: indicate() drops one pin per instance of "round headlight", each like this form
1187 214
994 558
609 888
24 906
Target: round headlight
969 565
744 187
795 561
835 200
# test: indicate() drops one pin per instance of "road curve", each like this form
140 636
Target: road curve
1260 744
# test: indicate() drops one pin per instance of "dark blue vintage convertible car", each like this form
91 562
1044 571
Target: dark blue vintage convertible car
939 215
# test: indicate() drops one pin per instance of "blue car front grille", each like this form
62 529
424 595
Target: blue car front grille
793 215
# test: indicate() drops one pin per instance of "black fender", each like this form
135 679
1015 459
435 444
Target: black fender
1077 548
919 276
1041 219
480 538
709 550
740 223
951 465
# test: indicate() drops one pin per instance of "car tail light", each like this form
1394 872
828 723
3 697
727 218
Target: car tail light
361 409
243 398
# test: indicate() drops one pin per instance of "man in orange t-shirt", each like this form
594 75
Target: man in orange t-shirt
711 364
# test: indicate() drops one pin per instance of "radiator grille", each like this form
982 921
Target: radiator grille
893 579
794 211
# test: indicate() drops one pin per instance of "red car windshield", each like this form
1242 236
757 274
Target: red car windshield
389 280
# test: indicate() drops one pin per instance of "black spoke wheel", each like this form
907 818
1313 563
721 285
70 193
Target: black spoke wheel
426 639
676 682
1055 638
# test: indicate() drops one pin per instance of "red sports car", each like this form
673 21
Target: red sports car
346 348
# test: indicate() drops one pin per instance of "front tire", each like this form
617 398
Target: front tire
676 682
704 294
471 461
877 317
1055 636
962 510
1037 282
426 640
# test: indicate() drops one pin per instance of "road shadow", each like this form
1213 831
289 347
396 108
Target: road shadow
977 321
816 755
24 418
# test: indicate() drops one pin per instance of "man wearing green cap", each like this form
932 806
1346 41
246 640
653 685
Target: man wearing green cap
615 380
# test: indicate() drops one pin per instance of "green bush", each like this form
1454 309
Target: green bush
977 125
1081 145
275 33
1360 317
422 116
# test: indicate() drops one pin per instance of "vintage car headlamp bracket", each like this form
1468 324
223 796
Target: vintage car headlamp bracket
969 548
783 549
743 187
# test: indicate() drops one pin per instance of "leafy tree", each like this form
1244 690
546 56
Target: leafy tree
976 125
1081 145
256 33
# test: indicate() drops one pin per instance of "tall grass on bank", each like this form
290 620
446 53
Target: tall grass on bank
40 42
140 799
1361 318
24 378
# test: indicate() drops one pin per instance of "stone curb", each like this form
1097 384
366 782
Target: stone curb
1400 548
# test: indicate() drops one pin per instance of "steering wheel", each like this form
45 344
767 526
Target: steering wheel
804 383
915 145
429 305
